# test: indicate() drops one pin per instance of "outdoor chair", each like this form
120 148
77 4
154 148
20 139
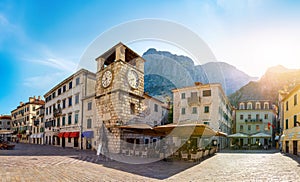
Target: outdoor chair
199 155
184 156
131 153
194 157
144 154
206 152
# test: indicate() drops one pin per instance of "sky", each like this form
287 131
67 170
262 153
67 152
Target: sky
41 42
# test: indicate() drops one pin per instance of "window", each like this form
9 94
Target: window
64 103
207 123
257 105
70 85
257 128
266 105
33 108
241 117
63 121
242 106
53 106
183 111
206 93
64 88
77 81
76 118
76 98
89 123
155 107
249 105
295 99
286 124
182 95
295 120
53 95
69 140
241 128
249 116
266 116
206 109
59 91
257 117
287 105
90 106
69 119
58 122
249 127
70 101
50 110
194 111
47 111
132 108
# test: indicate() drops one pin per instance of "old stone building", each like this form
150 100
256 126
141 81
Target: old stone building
203 104
64 109
256 119
37 135
120 98
23 119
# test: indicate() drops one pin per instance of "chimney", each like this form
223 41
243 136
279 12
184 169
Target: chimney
21 103
31 99
198 83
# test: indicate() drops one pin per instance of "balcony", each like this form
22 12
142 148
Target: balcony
194 101
36 122
57 112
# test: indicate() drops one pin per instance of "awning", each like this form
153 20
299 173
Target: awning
88 134
238 135
61 134
176 130
219 133
74 134
261 135
66 134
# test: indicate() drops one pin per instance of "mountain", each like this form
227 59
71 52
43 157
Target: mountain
165 71
276 78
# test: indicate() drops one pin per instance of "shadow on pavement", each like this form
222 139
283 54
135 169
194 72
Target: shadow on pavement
294 157
156 170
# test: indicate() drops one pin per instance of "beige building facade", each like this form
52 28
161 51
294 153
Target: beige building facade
64 109
203 104
23 119
290 118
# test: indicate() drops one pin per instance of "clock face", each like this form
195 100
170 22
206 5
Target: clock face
106 78
133 79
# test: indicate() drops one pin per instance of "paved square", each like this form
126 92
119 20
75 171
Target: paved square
47 163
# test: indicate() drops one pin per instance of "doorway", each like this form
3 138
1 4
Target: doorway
295 147
63 142
287 147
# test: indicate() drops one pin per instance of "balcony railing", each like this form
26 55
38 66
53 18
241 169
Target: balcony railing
57 112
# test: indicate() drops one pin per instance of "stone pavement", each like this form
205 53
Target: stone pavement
48 163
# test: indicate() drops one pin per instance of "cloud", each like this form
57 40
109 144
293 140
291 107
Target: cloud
57 63
42 81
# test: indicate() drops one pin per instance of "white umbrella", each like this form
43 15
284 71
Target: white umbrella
238 135
261 135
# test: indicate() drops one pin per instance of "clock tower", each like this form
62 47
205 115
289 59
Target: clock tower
119 90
